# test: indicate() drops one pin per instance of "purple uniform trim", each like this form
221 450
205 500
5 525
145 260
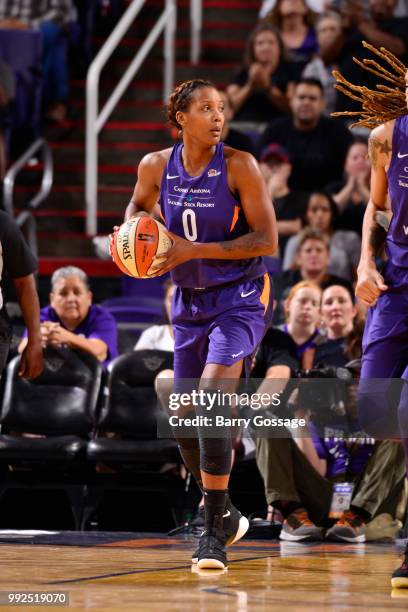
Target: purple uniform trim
397 236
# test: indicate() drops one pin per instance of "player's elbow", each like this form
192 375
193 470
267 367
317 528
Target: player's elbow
270 243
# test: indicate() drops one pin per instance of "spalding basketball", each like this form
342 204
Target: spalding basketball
134 245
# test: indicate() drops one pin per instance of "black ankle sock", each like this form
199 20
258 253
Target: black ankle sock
286 507
214 505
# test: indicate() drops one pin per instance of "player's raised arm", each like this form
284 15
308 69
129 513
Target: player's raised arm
370 282
147 188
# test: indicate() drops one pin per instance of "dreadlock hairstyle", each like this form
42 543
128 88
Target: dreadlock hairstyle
383 103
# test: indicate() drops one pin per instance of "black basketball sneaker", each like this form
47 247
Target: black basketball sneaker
211 548
235 526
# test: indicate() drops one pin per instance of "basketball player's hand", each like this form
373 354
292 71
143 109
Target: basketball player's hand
32 360
182 250
116 228
370 285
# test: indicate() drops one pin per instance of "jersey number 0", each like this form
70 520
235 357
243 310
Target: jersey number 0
189 224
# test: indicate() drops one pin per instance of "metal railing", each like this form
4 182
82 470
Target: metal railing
94 120
196 25
26 217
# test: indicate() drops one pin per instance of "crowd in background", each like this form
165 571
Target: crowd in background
317 172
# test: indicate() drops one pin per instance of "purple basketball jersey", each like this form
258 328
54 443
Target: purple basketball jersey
397 237
203 209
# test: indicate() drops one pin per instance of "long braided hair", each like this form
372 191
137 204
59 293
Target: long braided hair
378 105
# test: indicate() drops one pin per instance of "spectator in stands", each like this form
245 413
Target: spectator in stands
258 92
352 193
159 337
321 213
299 475
233 138
295 21
50 17
19 264
317 6
7 93
374 22
302 309
311 264
72 320
317 145
328 28
289 204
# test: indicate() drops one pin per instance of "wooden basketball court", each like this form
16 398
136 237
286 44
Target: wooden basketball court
152 573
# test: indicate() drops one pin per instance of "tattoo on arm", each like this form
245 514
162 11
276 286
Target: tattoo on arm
382 219
251 242
375 147
378 235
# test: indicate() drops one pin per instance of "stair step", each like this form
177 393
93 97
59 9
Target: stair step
64 244
77 225
72 197
57 220
91 265
118 155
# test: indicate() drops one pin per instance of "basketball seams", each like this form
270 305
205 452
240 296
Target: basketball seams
144 249
136 244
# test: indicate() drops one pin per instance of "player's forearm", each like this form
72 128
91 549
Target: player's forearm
133 209
254 244
370 237
29 304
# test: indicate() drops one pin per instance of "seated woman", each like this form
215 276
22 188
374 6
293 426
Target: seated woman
159 337
258 92
302 308
353 192
72 320
345 246
295 21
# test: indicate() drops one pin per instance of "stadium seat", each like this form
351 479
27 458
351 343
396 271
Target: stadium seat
126 439
133 315
57 410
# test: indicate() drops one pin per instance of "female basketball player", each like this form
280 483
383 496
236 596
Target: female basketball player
215 205
385 341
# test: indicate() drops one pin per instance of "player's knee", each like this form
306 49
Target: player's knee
215 454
